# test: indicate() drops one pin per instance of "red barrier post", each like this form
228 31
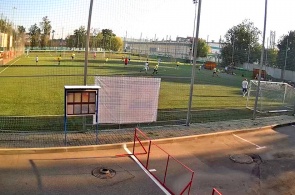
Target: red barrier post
215 190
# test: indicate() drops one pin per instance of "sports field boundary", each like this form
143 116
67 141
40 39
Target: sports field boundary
128 144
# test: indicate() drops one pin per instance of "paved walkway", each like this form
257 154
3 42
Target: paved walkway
44 140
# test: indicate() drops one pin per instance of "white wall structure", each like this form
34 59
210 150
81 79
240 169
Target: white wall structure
274 72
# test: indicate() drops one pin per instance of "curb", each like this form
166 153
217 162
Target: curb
285 124
216 134
121 145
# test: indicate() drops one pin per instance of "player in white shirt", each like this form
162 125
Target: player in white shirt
244 87
146 67
37 60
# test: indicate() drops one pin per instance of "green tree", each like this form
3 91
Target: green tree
45 28
286 46
271 55
240 40
21 34
80 37
35 35
4 25
21 29
107 35
116 44
202 48
70 41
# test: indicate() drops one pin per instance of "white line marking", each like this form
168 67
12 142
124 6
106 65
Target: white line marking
146 171
4 69
257 146
9 65
293 125
152 170
15 61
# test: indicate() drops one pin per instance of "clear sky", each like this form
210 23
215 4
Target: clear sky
160 18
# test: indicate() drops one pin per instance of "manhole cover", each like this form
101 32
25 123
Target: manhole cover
103 173
241 158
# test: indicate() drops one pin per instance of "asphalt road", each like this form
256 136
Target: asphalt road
240 163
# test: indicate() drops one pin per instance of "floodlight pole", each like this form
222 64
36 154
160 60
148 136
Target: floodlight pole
233 50
261 62
285 64
188 117
193 43
87 42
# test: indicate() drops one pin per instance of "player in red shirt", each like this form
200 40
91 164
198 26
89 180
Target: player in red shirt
126 61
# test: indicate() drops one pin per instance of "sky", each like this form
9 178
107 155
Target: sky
152 18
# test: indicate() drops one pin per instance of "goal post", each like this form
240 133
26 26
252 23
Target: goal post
272 97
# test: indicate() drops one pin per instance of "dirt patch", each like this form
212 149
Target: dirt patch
284 184
283 155
277 176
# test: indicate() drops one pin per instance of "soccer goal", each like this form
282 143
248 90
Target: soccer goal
273 96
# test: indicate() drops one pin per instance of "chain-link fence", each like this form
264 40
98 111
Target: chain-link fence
53 55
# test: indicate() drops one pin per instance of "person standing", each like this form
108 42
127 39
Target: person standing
177 65
37 60
244 87
59 59
214 72
146 67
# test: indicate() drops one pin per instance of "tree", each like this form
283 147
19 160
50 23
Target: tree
286 51
202 48
45 28
80 37
240 40
34 32
107 35
271 59
21 29
21 33
4 25
70 41
116 44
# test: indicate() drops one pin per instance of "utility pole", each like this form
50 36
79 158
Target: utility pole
188 117
87 43
233 51
285 64
261 63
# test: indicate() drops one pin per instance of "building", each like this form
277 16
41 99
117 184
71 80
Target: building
181 48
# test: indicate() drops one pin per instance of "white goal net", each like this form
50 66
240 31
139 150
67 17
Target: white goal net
273 96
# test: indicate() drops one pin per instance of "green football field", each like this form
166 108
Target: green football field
30 89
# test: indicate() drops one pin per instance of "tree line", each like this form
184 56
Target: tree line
242 45
40 37
241 42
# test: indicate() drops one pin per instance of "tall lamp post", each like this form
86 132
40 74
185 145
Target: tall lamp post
261 62
188 117
193 42
87 42
233 50
285 64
